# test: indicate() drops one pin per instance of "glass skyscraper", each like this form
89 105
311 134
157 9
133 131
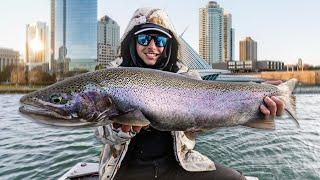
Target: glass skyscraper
37 44
74 33
228 40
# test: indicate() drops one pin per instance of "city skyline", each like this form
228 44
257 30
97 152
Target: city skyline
284 30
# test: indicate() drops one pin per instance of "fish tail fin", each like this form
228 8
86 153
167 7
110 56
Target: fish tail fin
286 89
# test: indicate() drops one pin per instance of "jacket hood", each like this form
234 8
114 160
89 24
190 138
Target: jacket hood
154 16
150 15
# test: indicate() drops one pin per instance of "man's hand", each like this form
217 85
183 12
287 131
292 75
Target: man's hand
274 106
127 128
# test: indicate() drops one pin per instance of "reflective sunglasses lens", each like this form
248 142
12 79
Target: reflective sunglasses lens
161 41
143 39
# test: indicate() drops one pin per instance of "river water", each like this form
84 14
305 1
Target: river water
29 150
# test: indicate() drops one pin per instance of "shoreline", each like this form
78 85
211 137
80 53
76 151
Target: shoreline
17 89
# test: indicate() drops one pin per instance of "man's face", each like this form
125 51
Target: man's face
149 47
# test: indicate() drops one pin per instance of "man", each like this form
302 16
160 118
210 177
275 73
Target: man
144 152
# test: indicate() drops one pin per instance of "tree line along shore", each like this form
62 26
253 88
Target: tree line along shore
17 89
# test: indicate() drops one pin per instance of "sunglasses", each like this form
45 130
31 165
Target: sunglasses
145 39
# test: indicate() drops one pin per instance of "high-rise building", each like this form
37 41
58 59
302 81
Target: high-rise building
8 57
108 40
52 37
233 42
211 33
74 34
248 50
228 40
37 45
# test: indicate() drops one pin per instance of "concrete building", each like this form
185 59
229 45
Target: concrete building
242 66
37 45
108 40
8 57
248 50
270 65
255 66
211 33
74 34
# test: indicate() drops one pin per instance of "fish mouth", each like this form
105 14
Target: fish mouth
40 107
46 113
36 110
48 117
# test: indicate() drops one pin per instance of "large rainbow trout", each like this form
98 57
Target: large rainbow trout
166 101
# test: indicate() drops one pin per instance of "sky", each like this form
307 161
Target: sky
285 30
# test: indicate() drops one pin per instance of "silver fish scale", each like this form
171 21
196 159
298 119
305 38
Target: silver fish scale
147 77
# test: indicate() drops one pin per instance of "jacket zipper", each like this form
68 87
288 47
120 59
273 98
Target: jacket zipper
175 150
156 169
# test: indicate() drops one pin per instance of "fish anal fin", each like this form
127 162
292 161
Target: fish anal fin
267 124
292 114
132 118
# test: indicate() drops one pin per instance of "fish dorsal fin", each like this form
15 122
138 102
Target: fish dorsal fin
262 124
132 118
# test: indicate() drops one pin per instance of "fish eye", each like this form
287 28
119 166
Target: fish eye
56 99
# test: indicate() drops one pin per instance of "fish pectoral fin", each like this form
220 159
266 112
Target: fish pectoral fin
262 124
132 118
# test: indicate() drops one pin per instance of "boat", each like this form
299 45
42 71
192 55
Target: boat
82 171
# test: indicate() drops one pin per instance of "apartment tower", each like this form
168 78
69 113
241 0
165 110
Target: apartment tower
248 50
211 33
108 40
